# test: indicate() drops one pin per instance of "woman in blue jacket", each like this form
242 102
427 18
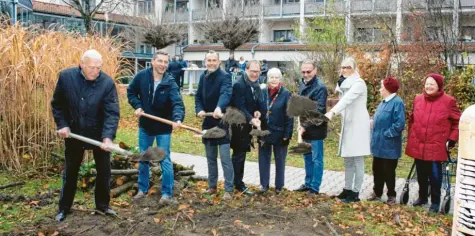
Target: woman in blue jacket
280 125
386 141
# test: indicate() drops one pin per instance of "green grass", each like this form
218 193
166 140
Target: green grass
184 142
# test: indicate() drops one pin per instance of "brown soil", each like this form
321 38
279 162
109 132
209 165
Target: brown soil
270 214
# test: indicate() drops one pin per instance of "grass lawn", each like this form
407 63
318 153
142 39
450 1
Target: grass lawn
184 142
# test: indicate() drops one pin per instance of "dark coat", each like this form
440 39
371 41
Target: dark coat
431 125
316 90
175 68
183 65
243 100
389 121
167 103
230 64
214 90
88 108
277 121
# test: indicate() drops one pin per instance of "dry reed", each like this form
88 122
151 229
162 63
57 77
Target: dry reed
30 60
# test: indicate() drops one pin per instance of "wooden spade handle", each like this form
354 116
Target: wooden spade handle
299 137
211 114
169 122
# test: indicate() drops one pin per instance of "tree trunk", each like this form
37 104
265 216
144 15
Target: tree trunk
119 172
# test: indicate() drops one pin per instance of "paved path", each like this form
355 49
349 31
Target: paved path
332 183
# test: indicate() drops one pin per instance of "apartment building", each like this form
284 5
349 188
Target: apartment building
277 42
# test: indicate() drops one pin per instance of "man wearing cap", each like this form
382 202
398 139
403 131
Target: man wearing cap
386 140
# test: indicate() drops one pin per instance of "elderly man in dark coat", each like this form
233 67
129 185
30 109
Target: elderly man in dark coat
214 95
85 102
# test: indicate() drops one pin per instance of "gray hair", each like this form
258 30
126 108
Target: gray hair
309 62
349 61
212 52
160 52
249 63
274 72
91 54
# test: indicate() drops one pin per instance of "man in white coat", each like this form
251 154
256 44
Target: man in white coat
355 128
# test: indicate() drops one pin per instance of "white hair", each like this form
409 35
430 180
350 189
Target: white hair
91 54
350 61
274 72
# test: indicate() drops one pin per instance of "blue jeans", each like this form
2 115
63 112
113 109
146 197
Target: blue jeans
163 141
228 171
314 165
265 156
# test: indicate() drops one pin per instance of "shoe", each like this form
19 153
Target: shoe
211 191
419 202
391 200
352 197
227 196
278 191
165 200
312 193
302 188
247 192
108 211
262 191
60 216
139 195
434 208
374 197
343 194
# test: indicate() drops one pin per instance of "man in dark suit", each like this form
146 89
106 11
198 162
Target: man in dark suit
247 97
85 102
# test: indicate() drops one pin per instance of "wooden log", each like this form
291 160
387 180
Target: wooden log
185 172
119 172
123 179
11 184
156 170
198 178
121 189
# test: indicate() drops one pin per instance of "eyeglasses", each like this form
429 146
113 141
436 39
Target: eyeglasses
255 71
306 72
346 67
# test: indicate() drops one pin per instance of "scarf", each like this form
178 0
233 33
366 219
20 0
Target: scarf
256 88
274 91
433 97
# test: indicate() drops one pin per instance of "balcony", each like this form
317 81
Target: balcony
291 9
389 6
271 10
315 8
379 6
467 4
252 10
182 16
409 5
197 15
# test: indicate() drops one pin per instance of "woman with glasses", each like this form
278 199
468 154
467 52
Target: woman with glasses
280 125
355 128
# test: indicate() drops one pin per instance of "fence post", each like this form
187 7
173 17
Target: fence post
464 198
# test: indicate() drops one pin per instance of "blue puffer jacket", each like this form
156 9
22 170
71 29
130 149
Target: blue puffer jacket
167 102
389 121
277 121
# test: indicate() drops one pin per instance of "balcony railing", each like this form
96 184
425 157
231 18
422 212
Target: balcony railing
378 6
291 9
182 16
315 8
271 10
198 14
422 4
252 10
470 4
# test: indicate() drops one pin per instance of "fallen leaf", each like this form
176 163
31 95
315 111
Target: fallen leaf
347 234
359 232
26 156
157 220
214 232
56 233
46 186
237 223
183 207
41 234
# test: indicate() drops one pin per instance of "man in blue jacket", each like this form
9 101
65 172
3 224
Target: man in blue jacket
182 73
153 91
175 69
213 95
85 102
312 87
247 97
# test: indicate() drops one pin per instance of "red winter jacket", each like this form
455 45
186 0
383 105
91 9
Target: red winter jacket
431 125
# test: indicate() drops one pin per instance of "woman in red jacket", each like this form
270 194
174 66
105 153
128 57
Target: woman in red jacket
433 129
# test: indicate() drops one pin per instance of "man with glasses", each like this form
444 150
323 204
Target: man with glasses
85 102
155 92
312 87
247 97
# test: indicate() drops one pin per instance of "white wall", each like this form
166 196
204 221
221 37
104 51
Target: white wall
271 56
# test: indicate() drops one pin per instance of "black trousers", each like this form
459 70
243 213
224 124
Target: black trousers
429 173
384 172
74 154
239 158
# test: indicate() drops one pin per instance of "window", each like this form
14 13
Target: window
286 1
284 36
145 7
364 35
468 33
433 33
